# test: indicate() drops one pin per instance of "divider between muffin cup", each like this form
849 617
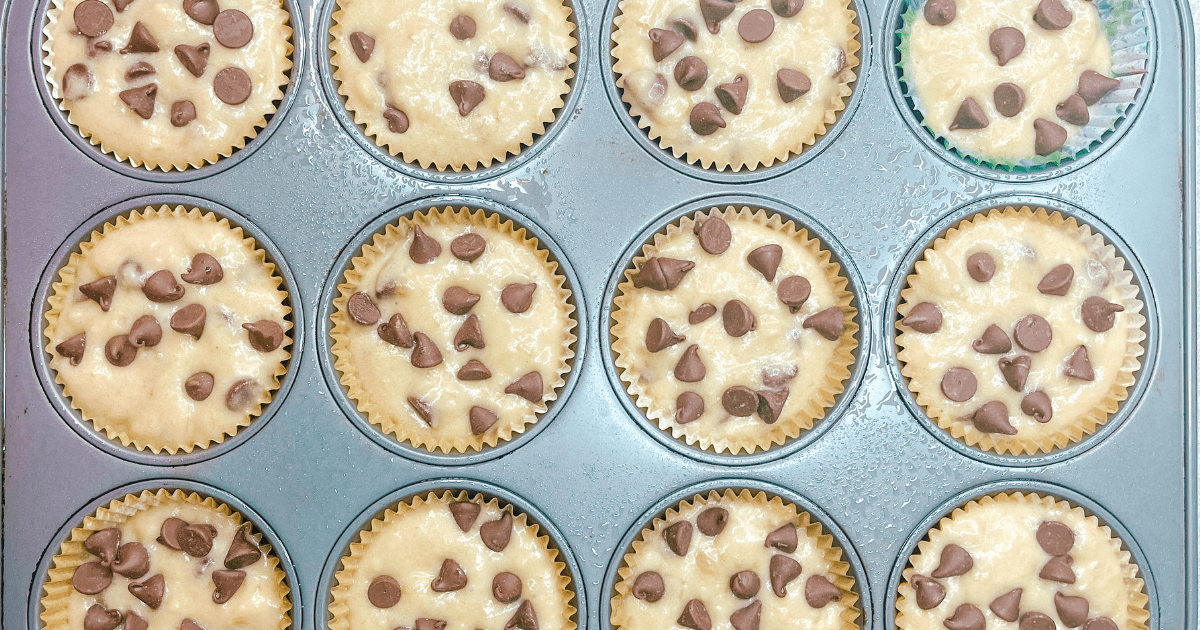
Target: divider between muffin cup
324 327
321 615
54 391
849 552
921 531
855 286
642 138
322 59
1115 420
1130 27
41 571
299 42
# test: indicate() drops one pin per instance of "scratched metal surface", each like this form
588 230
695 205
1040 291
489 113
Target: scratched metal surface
877 473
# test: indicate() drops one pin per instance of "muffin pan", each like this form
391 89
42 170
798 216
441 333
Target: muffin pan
875 190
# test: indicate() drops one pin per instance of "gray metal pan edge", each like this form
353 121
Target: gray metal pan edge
310 188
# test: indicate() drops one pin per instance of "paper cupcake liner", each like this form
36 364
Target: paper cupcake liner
1137 610
396 235
1126 24
836 103
280 81
839 569
57 589
346 575
798 420
1076 429
375 128
63 288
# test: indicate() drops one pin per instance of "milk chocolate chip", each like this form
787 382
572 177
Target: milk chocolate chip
787 8
1009 99
965 617
196 540
678 537
91 578
145 332
1095 623
119 351
929 592
782 570
140 41
182 113
72 349
233 29
659 335
958 384
133 561
1072 611
151 591
1052 15
469 335
791 84
101 290
690 369
199 386
451 577
397 121
747 618
648 586
243 551
793 291
819 591
766 260
1033 333
395 331
1008 605
664 42
992 417
506 587
662 274
712 521
713 233
940 12
1079 365
518 297
1034 620
93 18
503 68
1055 538
1094 86
688 407
468 247
103 544
1057 281
241 394
695 616
829 323
1006 43
425 354
1037 405
384 592
524 619
529 387
264 335
744 584
462 27
737 318
203 270
464 513
691 72
685 27
705 119
1099 314
362 44
459 301
702 313
232 85
924 318
740 401
495 534
981 266
143 69
203 11
193 58
733 95
993 341
970 116
770 404
227 583
141 99
362 309
1073 110
168 533
1058 569
784 538
474 370
424 249
1015 371
1048 137
756 26
714 11
100 618
954 560
467 95
77 82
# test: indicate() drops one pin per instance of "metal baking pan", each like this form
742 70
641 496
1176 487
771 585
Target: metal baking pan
594 188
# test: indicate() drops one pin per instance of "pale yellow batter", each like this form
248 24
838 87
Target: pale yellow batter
953 62
1000 534
218 128
818 41
144 403
415 59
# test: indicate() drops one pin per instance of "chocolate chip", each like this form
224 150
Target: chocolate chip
119 351
233 29
141 99
241 394
506 587
819 591
133 561
1037 405
1098 314
529 387
784 538
93 18
362 309
1079 366
517 297
460 301
925 318
481 419
747 618
712 521
1094 86
1058 569
766 260
733 97
1033 620
1095 623
243 551
664 42
451 577
422 409
756 26
384 591
714 11
713 233
264 335
193 58
965 617
198 386
468 247
232 85
168 533
503 68
685 27
770 404
993 341
744 584
929 593
474 370
518 11
782 570
1009 99
970 116
1073 110
679 537
182 113
424 248
397 121
690 73
954 561
1072 611
204 269
1015 371
203 11
791 84
793 291
101 290
787 8
1033 333
72 349
1006 43
660 336
395 332
195 540
91 578
469 335
737 318
662 274
143 69
981 266
100 618
363 44
648 586
1008 605
1052 15
188 624
695 616
958 384
140 41
523 619
103 544
424 623
829 323
740 401
940 12
95 47
495 534
1048 137
688 407
151 591
1055 538
992 417
462 27
690 369
705 119
464 513
145 332
425 354
77 82
467 95
1057 281
227 584
702 313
